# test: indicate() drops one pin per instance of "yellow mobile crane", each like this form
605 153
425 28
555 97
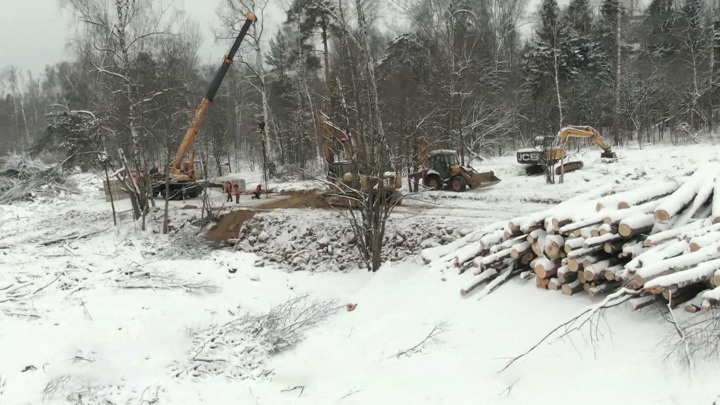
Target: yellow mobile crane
183 176
548 150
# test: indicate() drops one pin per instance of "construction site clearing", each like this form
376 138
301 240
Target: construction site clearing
85 290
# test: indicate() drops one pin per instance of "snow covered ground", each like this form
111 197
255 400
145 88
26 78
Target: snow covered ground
116 316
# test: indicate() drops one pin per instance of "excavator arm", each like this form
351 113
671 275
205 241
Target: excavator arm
329 133
583 132
199 118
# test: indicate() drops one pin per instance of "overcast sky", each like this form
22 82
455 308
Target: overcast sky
34 33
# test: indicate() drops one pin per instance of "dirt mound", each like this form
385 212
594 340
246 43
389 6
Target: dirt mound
304 199
229 226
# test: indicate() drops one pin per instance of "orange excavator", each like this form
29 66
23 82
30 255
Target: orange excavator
183 175
343 170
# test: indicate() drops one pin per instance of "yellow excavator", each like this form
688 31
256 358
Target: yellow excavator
343 172
547 150
183 175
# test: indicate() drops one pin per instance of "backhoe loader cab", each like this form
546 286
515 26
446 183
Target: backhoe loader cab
443 170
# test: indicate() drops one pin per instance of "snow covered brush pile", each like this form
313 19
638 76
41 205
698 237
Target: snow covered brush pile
21 175
660 242
240 348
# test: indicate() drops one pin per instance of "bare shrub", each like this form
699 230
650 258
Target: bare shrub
239 348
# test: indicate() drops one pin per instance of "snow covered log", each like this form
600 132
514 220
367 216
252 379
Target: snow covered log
527 258
603 288
546 268
600 240
657 253
466 253
613 248
572 288
596 270
565 275
682 295
635 225
491 239
520 249
482 278
704 193
579 263
527 275
648 193
642 302
701 273
699 242
555 284
542 282
607 228
673 233
614 273
612 217
675 264
683 196
712 296
715 281
536 235
483 262
573 244
554 245
588 231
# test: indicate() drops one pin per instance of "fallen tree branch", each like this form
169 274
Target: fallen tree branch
72 236
432 336
578 321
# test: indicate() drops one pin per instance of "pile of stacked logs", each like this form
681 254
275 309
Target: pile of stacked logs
661 240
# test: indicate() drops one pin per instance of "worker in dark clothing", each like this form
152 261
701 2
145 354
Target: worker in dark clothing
228 190
236 189
257 191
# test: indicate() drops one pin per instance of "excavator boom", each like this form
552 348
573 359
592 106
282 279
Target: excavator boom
199 118
583 132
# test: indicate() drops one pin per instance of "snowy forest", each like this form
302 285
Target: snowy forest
467 75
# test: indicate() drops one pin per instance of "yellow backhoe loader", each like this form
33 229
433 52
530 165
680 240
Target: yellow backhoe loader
442 170
547 150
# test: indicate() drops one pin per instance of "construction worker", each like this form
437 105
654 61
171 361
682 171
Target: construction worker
257 191
228 190
236 191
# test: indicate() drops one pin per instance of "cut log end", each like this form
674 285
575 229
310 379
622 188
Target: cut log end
571 288
662 216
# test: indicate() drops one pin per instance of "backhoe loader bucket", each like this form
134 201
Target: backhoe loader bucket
608 155
485 179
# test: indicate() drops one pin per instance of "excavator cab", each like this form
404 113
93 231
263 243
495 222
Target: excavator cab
543 142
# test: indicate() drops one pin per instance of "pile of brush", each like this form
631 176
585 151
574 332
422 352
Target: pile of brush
21 177
662 240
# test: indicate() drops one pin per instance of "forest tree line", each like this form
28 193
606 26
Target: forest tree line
465 75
